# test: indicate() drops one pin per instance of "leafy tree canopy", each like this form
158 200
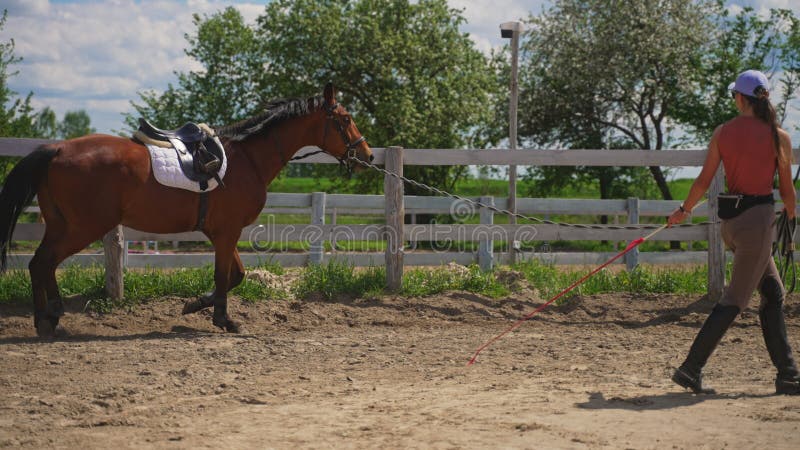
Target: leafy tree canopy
16 113
405 72
650 75
17 116
739 42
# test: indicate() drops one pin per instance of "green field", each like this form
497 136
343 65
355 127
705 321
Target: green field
470 187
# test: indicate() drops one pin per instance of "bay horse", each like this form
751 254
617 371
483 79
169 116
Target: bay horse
86 186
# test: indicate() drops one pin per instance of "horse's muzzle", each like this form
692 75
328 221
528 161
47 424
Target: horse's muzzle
362 154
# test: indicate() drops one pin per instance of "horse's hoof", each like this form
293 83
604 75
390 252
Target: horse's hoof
232 327
197 305
226 324
192 307
45 328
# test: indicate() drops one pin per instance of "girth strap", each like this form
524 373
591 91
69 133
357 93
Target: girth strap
202 211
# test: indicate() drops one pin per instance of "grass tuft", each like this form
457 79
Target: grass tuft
420 282
338 278
549 280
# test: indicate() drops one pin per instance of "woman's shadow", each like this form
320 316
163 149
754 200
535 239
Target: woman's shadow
667 400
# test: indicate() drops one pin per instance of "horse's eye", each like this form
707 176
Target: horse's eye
347 120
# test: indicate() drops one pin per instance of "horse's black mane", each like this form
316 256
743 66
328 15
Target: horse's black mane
274 112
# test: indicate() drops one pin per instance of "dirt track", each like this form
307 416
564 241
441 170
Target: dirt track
389 372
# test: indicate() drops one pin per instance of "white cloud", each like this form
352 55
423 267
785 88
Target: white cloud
24 7
75 53
763 6
485 16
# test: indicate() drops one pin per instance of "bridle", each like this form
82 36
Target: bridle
346 160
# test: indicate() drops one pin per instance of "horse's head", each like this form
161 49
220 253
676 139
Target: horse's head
341 138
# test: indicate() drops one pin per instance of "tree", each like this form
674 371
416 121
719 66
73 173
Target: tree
17 117
45 124
227 89
16 113
405 72
651 75
737 43
595 70
75 123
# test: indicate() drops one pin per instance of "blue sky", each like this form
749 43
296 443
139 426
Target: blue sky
96 55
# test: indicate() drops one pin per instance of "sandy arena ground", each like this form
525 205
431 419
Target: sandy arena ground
390 373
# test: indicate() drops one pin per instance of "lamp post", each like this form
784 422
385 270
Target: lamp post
512 30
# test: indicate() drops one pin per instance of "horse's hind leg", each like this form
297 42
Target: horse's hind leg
43 320
47 304
56 246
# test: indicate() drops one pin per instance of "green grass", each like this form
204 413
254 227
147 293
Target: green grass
420 282
334 280
550 280
140 285
300 184
15 285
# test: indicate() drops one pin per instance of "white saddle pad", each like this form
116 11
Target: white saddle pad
167 169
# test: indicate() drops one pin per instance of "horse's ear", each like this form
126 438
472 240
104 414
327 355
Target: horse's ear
330 94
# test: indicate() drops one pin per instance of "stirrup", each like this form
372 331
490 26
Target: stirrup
212 166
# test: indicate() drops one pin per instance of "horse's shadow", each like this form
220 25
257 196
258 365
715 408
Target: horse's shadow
176 332
667 400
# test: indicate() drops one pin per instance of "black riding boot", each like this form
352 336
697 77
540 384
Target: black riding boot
773 327
689 374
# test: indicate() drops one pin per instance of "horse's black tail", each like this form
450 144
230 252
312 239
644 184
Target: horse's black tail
18 192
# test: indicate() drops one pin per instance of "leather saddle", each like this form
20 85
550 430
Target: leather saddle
199 151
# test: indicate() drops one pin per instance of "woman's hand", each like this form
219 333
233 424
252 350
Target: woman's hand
677 216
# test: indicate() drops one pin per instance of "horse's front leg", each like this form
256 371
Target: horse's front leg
224 258
223 261
235 277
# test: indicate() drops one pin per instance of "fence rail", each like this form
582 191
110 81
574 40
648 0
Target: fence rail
394 206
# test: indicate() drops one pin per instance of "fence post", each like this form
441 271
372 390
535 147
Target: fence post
113 249
632 257
317 247
486 245
395 215
716 248
334 219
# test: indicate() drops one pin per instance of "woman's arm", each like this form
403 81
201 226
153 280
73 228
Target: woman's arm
785 184
701 183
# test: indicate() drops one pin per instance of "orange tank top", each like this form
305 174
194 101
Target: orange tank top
748 155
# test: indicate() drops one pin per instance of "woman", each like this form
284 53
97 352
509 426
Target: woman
751 147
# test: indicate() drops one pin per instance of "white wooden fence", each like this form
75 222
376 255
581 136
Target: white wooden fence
394 206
